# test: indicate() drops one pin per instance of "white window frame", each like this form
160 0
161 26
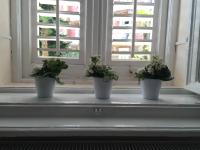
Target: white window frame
109 37
22 41
193 80
97 34
82 33
123 67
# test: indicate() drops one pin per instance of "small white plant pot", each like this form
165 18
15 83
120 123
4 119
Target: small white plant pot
45 87
102 88
150 88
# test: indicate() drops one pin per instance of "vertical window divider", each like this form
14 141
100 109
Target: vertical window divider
57 25
134 27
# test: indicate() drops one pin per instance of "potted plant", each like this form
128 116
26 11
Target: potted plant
151 76
46 76
103 76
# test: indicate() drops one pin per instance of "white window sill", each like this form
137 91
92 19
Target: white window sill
80 114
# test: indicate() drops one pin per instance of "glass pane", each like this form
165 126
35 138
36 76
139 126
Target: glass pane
70 20
69 6
121 46
142 57
144 22
68 55
143 35
69 32
145 10
122 22
124 34
123 10
46 43
143 46
70 45
146 1
121 56
127 57
46 18
46 5
45 31
123 0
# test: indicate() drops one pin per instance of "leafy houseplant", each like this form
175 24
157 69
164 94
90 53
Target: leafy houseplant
46 76
151 77
103 76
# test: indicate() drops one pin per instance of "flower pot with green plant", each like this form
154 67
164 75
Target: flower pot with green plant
103 76
151 76
46 76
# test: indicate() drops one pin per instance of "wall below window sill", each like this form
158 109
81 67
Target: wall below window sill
80 114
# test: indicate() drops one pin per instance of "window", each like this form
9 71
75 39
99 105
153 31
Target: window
193 80
124 33
133 31
57 29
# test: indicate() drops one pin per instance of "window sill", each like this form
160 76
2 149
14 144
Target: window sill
80 114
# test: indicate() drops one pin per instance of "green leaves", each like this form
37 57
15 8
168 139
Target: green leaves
51 68
155 70
97 69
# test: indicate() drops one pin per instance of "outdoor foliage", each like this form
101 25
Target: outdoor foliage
97 69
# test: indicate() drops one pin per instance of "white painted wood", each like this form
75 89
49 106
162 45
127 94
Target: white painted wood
5 37
194 57
171 34
83 115
16 41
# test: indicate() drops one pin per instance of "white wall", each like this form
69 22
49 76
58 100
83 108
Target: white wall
5 52
183 49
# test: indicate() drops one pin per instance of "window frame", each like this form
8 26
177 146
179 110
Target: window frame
22 63
193 72
97 43
160 34
82 38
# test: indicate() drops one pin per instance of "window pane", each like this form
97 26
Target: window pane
60 54
46 5
58 35
132 32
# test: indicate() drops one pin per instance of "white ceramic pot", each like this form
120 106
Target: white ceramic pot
45 87
102 88
150 88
